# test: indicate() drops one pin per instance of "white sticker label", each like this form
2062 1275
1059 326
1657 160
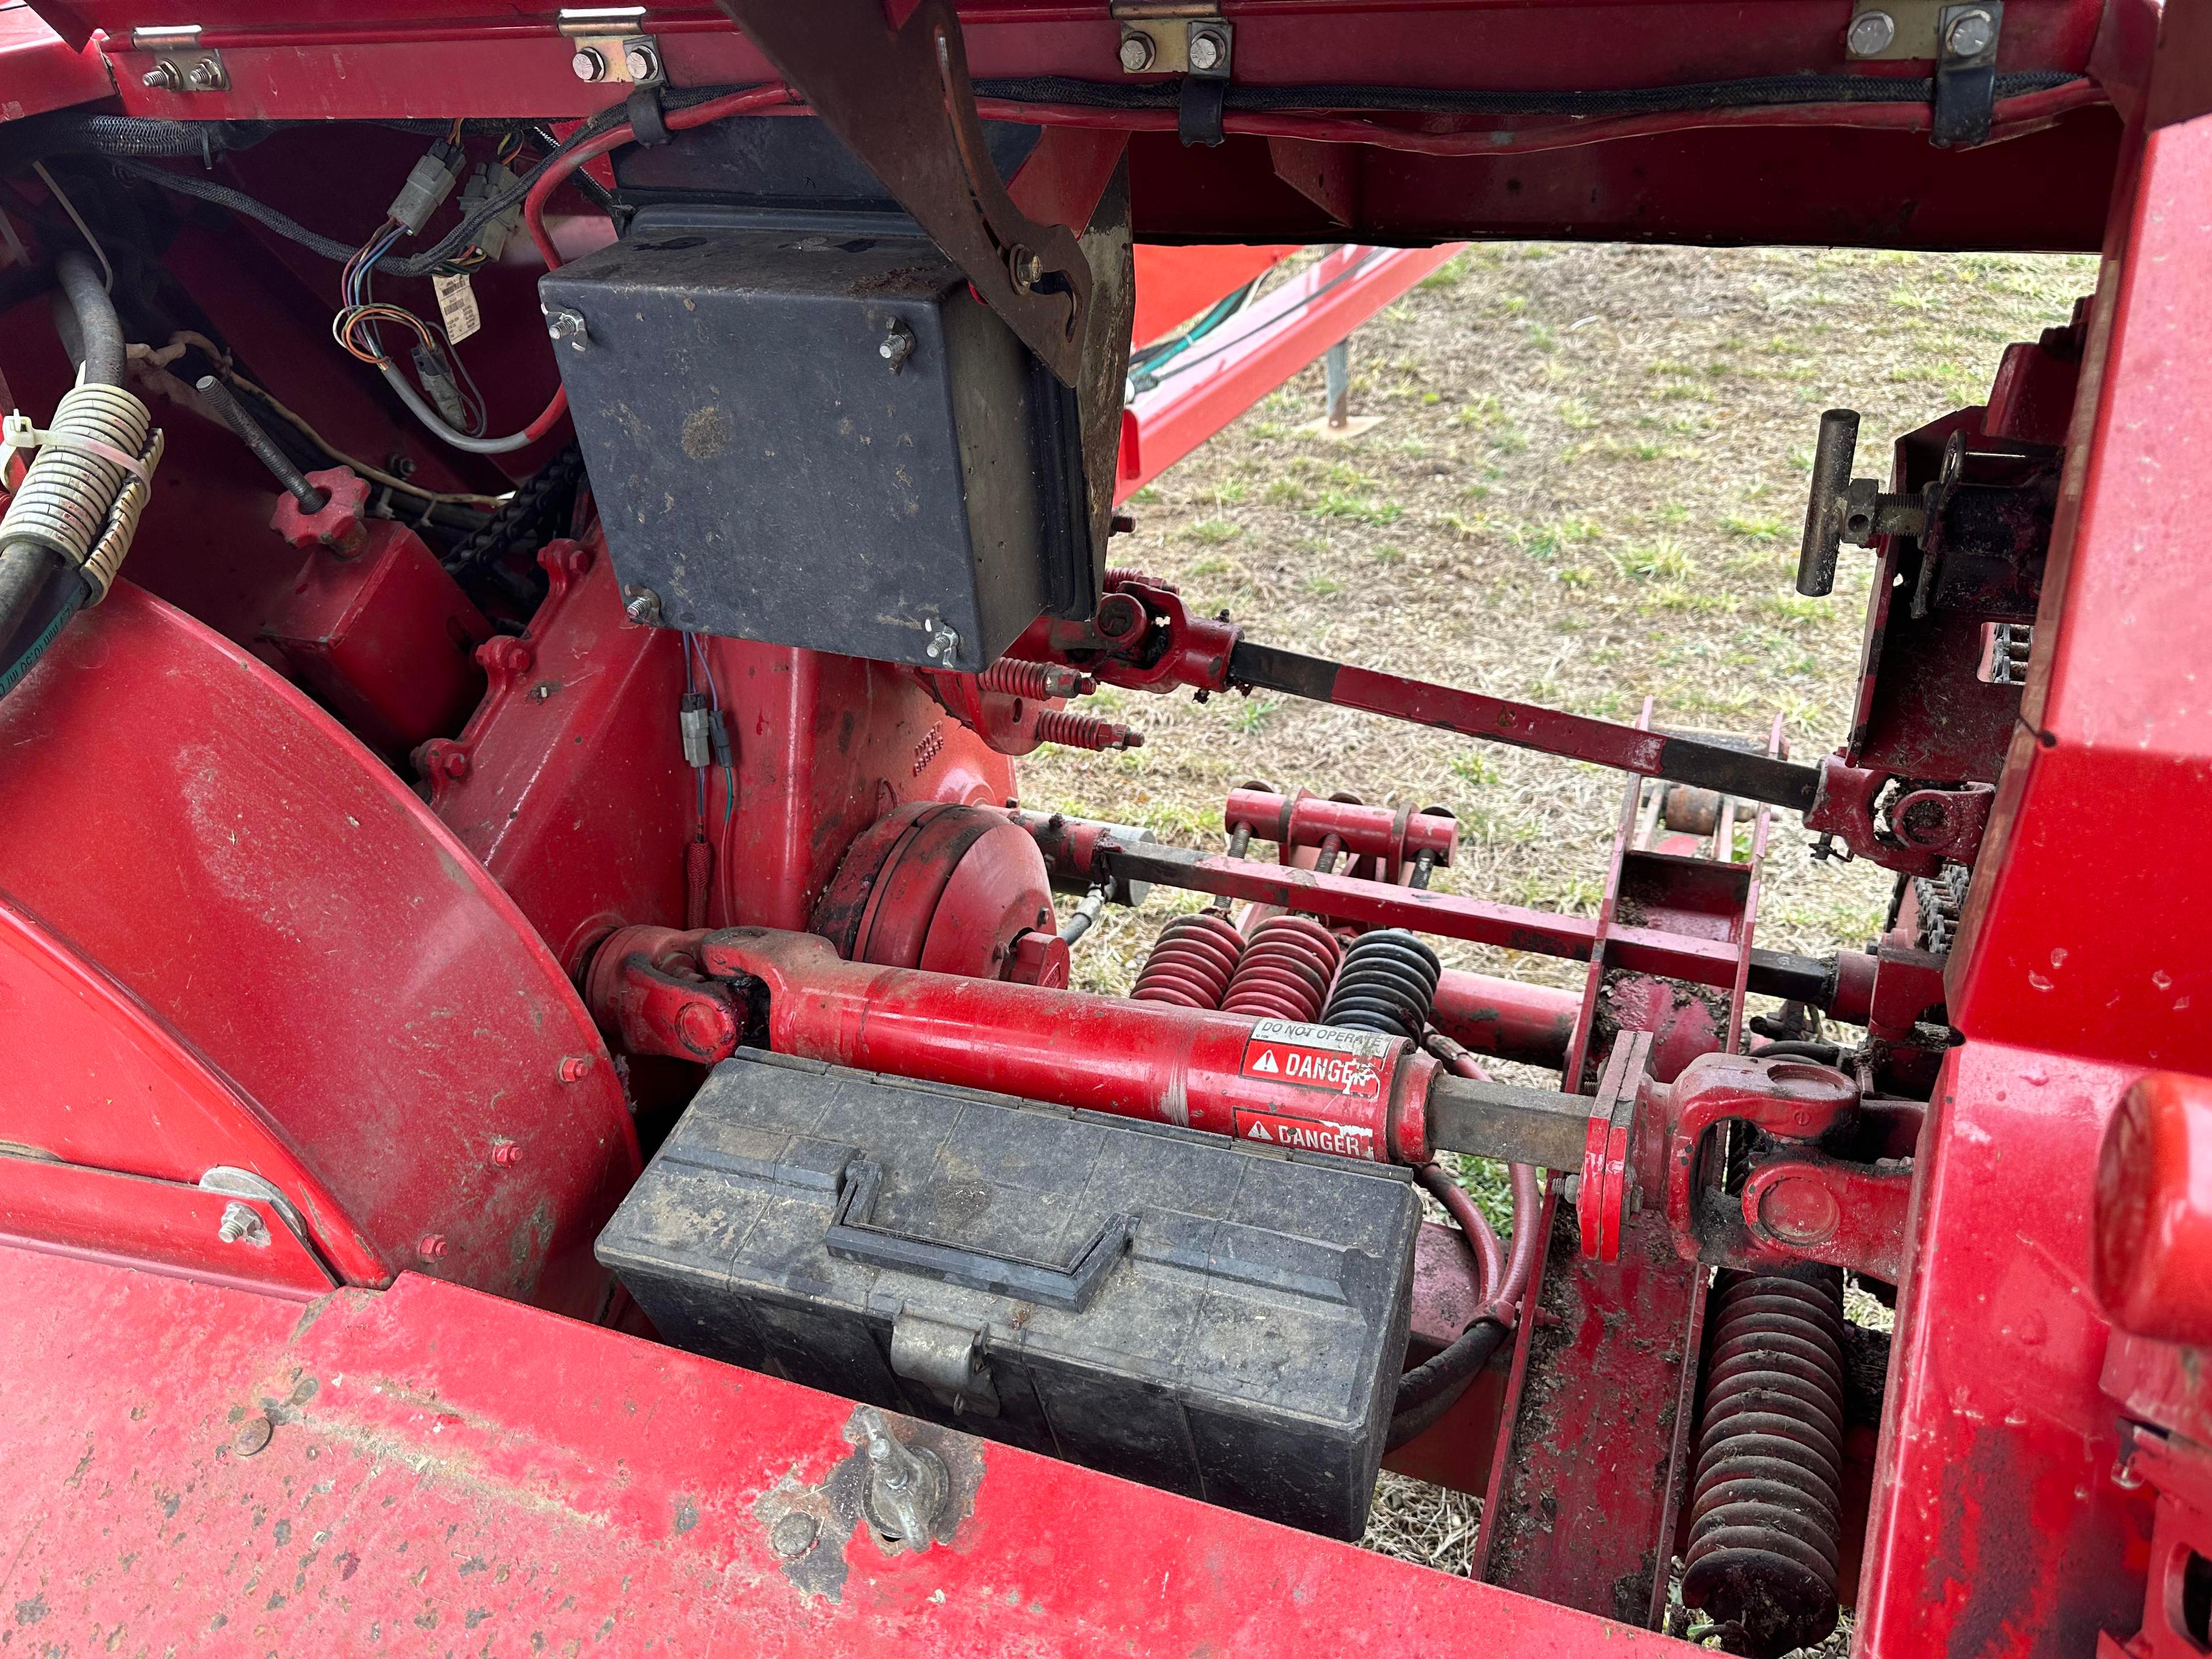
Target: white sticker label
1373 1044
457 305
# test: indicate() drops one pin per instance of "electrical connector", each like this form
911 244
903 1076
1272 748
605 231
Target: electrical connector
693 719
718 733
431 181
439 386
488 180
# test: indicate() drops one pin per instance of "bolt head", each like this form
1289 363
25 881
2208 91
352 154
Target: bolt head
642 62
589 64
642 606
1136 52
1027 268
1207 51
432 1247
1970 34
943 644
205 76
507 1153
793 1534
574 1068
162 77
240 1224
1871 31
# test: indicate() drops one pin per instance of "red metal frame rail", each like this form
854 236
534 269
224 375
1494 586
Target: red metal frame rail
1255 351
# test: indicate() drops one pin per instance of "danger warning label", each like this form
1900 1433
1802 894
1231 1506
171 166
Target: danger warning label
1307 1134
1317 1057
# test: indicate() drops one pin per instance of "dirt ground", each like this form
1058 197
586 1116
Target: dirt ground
1586 488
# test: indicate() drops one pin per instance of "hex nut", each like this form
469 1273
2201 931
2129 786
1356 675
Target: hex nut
642 60
162 77
1136 52
1208 51
1871 31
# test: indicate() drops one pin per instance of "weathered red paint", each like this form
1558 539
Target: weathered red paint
448 1470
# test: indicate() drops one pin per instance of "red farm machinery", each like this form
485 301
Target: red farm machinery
546 1111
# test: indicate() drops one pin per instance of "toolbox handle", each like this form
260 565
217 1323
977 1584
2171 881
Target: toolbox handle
853 1236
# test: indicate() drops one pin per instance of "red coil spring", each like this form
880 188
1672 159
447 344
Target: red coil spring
1116 575
1765 1514
1191 962
1019 677
1285 973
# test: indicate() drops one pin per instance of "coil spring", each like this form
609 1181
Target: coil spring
1019 677
1072 731
1387 984
1288 964
1191 962
1116 575
1765 1512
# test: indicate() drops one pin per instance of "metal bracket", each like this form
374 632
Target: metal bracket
1965 73
903 104
1174 38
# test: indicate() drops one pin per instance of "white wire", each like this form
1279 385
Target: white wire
106 271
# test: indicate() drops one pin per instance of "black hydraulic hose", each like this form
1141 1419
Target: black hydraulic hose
1824 1054
100 331
33 578
1434 1387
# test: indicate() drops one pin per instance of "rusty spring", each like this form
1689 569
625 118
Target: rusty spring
1191 962
1766 1513
1288 966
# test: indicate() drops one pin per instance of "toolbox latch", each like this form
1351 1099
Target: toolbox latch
946 1359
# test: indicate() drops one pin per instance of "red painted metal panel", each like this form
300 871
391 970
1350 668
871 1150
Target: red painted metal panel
164 1226
2063 944
430 1470
1997 1526
38 72
1174 284
253 877
1254 352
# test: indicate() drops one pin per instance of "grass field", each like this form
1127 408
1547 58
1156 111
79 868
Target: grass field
1586 490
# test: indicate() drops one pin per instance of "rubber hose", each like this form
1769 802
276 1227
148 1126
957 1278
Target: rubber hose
1823 1054
1442 1381
100 331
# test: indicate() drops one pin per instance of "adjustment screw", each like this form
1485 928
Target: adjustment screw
1871 31
641 60
1970 34
641 605
1208 51
1027 268
1136 52
162 77
432 1247
241 1225
589 63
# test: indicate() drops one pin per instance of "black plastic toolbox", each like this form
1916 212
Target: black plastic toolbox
1222 1320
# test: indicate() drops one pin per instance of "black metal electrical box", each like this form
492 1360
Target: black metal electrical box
819 437
1167 1306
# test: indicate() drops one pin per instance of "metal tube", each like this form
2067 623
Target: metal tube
217 396
1532 1023
1353 1093
1823 512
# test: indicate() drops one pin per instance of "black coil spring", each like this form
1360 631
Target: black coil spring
1765 1512
1387 983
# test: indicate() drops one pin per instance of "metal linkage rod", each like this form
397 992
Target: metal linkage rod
1735 772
